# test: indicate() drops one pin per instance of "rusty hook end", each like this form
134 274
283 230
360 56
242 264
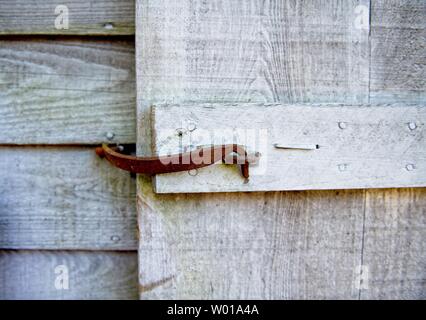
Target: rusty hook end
100 152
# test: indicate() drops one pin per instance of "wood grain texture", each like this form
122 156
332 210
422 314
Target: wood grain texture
64 198
394 244
394 232
254 51
86 17
299 245
258 245
364 146
398 51
66 91
92 275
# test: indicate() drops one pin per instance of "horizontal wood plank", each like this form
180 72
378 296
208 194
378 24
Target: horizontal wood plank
67 91
64 198
86 17
358 146
91 275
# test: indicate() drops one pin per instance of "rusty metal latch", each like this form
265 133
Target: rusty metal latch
199 158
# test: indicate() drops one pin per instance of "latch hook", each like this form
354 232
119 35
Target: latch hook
196 159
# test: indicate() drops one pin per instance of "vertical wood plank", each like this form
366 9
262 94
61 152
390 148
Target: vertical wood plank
394 253
217 246
299 245
249 51
398 59
395 233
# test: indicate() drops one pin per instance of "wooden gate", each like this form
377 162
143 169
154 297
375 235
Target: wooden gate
203 65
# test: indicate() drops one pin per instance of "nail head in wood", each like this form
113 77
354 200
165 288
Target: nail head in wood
410 167
412 126
193 172
110 135
342 125
191 126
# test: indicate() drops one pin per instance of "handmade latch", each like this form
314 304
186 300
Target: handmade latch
199 158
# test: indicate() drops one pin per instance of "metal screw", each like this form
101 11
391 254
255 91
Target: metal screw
108 26
412 125
342 125
191 126
342 167
410 167
115 238
110 135
193 172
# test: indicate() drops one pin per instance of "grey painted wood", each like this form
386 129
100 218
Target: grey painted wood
92 275
249 52
66 91
394 246
398 54
64 198
86 17
394 236
358 146
259 245
296 245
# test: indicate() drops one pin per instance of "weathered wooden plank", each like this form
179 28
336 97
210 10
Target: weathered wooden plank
250 51
66 91
64 198
398 53
356 146
298 245
91 275
258 245
394 236
394 253
85 17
